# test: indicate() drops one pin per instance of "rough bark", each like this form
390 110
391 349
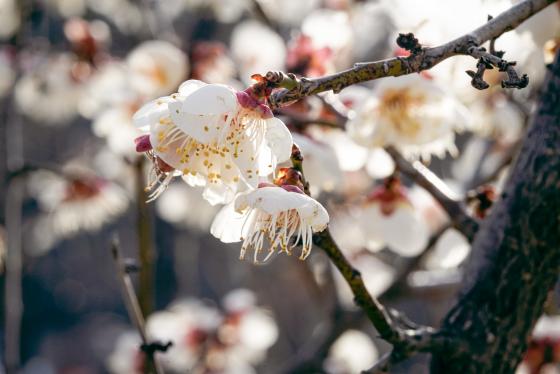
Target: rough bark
516 254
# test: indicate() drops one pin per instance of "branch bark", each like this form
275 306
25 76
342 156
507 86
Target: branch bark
425 59
391 326
516 254
439 191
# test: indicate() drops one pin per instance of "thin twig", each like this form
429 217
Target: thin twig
426 58
133 306
145 247
380 317
439 191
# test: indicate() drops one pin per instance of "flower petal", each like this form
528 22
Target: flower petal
279 139
205 112
152 112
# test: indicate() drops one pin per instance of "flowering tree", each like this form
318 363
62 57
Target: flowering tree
305 160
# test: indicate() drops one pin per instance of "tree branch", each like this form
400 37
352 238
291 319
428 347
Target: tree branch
426 58
439 191
392 326
135 312
516 254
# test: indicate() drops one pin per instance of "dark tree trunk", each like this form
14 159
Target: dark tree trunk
516 254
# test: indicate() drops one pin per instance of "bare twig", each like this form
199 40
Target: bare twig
133 309
388 327
439 190
145 247
425 58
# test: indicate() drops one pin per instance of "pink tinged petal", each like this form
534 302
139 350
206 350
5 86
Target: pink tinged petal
143 143
264 111
288 188
245 100
152 112
279 139
205 112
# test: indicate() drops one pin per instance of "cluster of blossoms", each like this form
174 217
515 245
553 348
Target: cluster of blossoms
229 143
205 339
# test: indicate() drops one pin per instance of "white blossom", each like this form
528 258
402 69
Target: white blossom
279 216
257 49
157 68
411 113
352 352
215 137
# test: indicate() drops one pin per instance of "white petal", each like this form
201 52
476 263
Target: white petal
450 251
203 114
273 200
405 233
315 212
152 112
279 139
228 225
188 87
379 164
218 193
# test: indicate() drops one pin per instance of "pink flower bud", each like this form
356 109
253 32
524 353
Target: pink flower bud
143 143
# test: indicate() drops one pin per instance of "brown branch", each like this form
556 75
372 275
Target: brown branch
388 324
145 245
516 254
440 192
426 58
133 308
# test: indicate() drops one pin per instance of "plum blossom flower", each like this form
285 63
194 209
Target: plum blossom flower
282 216
322 170
257 48
384 216
413 114
214 136
211 62
352 352
49 94
205 338
75 202
157 68
10 19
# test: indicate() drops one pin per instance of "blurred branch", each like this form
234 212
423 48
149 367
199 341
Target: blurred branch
262 16
419 60
310 359
301 120
134 311
145 247
439 191
400 282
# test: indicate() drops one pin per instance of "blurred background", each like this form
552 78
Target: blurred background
72 74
